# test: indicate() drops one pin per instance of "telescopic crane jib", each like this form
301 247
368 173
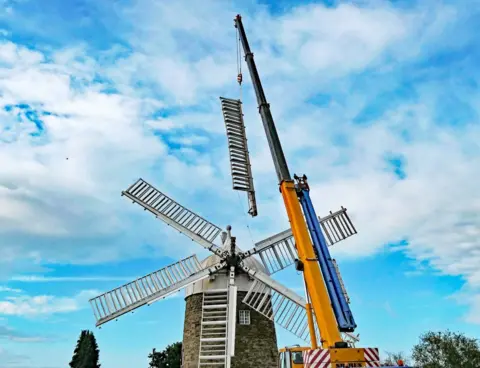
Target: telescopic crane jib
322 282
313 277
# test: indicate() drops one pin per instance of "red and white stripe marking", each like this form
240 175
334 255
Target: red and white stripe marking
372 358
318 358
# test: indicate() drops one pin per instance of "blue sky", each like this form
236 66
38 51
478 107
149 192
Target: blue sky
376 101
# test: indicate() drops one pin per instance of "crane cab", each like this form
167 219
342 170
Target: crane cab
291 357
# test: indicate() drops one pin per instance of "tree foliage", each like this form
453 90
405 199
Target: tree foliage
446 350
393 358
171 357
86 353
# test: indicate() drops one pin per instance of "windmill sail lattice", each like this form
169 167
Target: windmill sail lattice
278 251
238 150
214 328
290 314
174 214
340 279
337 226
146 289
279 304
264 295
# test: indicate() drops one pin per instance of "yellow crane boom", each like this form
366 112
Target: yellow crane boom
322 284
312 274
313 277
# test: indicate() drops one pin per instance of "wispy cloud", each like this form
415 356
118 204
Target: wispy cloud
31 306
9 290
40 278
17 336
351 86
10 359
388 308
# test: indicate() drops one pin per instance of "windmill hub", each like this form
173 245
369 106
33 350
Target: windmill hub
234 260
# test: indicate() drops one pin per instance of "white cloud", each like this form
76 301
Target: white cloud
56 209
16 336
31 306
473 316
10 359
190 140
6 289
161 124
72 164
40 278
12 54
345 38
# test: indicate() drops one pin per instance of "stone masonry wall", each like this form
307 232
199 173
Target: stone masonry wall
255 344
191 331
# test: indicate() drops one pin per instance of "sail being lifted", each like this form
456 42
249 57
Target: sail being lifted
238 150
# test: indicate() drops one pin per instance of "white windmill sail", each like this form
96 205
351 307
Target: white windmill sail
213 348
337 226
283 306
278 303
149 288
278 251
340 279
266 296
174 214
241 170
219 312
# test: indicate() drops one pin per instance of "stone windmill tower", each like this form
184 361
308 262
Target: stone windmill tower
255 341
232 302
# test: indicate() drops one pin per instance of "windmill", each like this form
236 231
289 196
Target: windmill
230 281
265 295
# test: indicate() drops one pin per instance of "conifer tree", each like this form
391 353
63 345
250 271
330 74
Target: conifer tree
86 353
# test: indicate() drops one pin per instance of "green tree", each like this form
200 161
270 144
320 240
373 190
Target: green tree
446 350
86 353
171 357
393 358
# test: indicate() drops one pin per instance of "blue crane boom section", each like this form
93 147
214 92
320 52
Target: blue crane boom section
341 309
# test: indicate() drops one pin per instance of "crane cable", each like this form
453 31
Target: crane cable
246 218
239 63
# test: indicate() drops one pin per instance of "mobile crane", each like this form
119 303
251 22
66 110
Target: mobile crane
326 301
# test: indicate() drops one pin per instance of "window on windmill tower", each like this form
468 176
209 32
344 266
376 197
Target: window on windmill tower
244 317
